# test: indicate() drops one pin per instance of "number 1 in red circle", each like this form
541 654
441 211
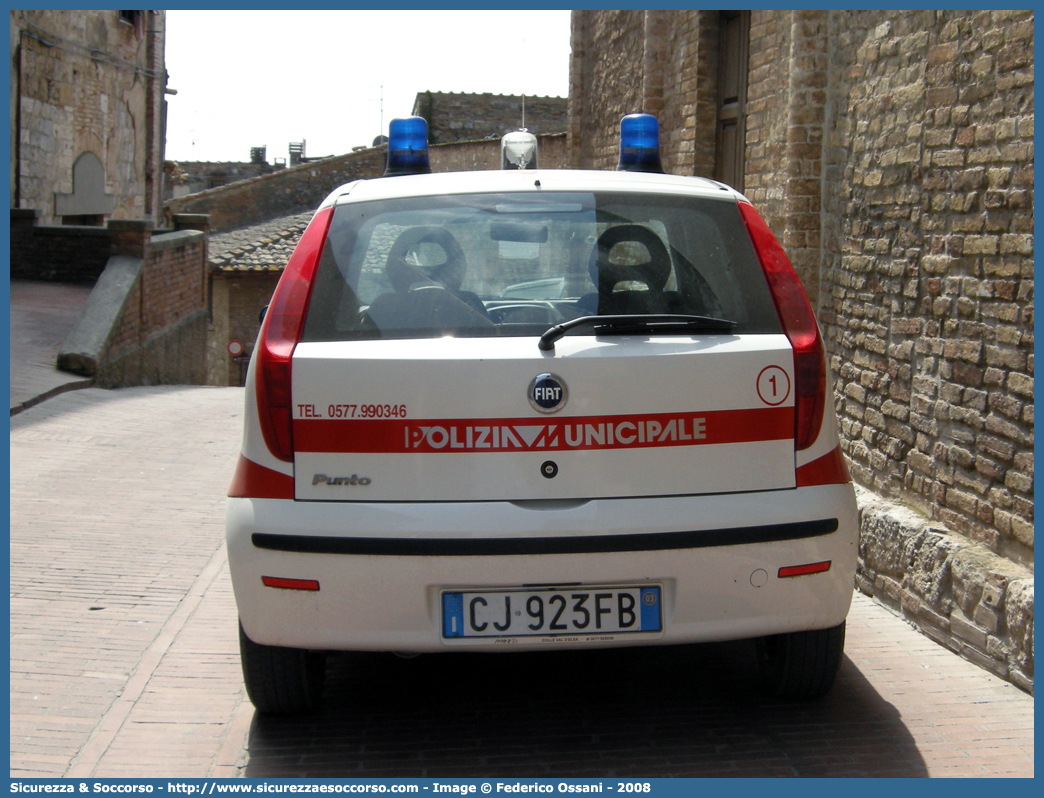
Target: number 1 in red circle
773 385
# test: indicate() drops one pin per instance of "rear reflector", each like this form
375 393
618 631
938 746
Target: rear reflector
801 570
799 324
290 584
280 334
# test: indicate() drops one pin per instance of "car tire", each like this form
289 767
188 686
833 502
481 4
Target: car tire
801 665
281 680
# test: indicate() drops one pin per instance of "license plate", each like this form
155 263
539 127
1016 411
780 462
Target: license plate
551 612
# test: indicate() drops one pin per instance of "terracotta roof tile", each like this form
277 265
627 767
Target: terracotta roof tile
262 247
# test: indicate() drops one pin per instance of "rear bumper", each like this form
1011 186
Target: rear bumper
381 568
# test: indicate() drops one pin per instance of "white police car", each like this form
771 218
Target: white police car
538 408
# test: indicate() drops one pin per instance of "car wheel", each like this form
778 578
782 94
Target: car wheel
281 680
801 665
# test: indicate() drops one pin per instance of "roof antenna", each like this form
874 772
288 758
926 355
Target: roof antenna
518 149
523 93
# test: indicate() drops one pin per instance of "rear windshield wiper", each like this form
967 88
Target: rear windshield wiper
641 323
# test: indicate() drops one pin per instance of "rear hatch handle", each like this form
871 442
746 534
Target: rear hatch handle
632 324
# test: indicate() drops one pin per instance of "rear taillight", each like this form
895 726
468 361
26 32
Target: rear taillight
799 324
280 334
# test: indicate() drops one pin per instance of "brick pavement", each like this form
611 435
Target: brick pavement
117 563
42 315
124 659
903 706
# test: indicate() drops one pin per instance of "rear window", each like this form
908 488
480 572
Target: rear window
515 264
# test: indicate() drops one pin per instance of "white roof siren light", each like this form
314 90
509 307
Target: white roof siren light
518 150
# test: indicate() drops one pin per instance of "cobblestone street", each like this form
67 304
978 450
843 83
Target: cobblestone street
124 659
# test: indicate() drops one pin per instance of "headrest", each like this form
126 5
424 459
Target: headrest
652 269
440 257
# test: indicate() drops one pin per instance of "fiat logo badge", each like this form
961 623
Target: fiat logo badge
547 393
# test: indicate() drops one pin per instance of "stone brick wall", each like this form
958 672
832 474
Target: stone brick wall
765 181
83 81
173 284
927 278
160 336
302 188
237 301
455 117
170 287
56 253
892 154
145 321
786 112
172 356
467 156
679 63
288 191
959 593
605 83
195 176
690 105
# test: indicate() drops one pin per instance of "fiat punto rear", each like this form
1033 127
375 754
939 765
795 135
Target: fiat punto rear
535 408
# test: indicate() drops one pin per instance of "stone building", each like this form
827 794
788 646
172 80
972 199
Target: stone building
86 170
467 117
892 154
244 267
87 115
191 177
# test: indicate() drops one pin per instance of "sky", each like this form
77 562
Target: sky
334 79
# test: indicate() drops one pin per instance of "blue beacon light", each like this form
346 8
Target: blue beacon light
639 144
407 147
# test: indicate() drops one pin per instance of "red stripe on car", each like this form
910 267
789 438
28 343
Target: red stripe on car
396 436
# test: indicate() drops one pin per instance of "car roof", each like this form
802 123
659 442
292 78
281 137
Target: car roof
512 180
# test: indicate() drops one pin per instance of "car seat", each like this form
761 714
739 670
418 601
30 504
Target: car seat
427 296
628 287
